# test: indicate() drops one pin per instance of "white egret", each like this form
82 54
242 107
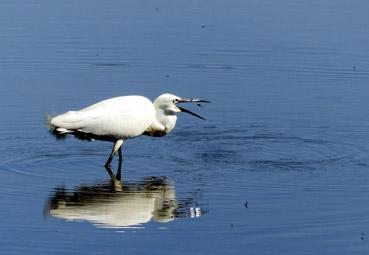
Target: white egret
120 118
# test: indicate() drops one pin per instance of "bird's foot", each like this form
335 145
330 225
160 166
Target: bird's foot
117 185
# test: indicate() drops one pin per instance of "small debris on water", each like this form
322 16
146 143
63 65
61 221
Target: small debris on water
195 212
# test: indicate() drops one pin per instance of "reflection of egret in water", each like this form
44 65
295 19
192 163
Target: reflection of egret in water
115 205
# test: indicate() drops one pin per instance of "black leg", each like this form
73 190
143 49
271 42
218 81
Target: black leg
107 165
110 172
108 162
119 172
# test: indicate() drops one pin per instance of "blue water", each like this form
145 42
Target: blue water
280 166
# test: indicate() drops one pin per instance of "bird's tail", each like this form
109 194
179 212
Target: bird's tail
48 119
53 130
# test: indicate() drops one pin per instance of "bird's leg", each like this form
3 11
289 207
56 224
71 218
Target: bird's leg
119 172
116 147
110 172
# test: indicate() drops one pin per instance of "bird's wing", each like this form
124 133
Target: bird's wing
121 117
73 120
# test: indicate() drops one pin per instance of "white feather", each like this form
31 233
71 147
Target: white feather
121 117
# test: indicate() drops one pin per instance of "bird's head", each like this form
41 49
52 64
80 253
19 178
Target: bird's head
168 103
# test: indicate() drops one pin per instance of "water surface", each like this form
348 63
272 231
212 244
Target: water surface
279 167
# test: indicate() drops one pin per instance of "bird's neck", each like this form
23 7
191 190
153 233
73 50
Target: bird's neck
162 124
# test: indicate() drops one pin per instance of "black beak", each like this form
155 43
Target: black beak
182 100
194 114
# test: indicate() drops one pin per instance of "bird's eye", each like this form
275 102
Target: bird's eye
175 101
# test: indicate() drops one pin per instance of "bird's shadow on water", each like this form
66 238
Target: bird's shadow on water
116 204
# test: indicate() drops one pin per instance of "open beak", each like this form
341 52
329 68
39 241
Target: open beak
182 100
